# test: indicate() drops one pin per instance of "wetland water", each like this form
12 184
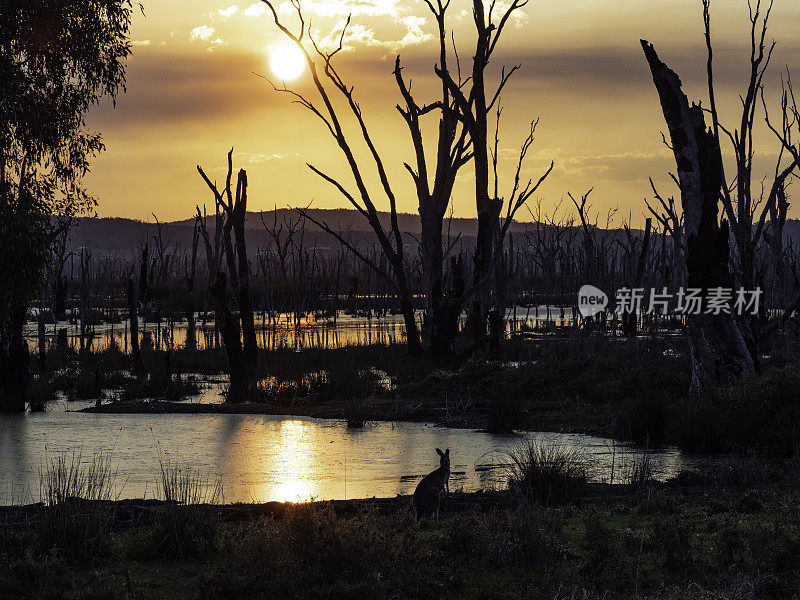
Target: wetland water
262 458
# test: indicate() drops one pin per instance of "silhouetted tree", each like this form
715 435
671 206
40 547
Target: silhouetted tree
391 242
719 352
475 102
57 59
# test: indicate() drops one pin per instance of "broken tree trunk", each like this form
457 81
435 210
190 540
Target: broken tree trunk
718 348
237 217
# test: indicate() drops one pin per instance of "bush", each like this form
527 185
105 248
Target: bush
643 419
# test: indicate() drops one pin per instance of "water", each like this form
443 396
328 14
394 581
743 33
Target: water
263 458
283 331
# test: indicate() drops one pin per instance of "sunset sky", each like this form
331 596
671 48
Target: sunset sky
192 94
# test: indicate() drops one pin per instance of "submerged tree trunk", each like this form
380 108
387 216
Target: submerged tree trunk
133 317
718 348
14 364
229 329
42 338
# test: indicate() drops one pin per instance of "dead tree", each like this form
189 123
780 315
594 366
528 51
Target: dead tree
745 210
57 262
391 241
234 207
518 197
133 317
635 251
671 222
474 107
227 325
719 353
452 152
191 272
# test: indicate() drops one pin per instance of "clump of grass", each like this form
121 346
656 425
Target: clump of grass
77 384
357 412
506 412
639 473
79 518
643 418
792 467
182 526
63 479
546 473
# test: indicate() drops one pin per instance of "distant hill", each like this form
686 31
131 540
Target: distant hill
121 236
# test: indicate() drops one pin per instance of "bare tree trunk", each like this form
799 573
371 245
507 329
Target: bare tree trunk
488 208
229 329
719 352
133 317
237 217
42 339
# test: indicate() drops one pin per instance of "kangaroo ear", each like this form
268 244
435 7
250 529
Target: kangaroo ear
447 452
439 452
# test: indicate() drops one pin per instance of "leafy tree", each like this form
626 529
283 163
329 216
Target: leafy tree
57 60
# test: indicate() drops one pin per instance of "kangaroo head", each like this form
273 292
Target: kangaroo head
444 458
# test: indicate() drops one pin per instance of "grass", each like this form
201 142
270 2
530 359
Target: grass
677 544
79 520
181 529
546 473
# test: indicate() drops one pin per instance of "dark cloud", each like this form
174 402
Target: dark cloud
167 87
609 67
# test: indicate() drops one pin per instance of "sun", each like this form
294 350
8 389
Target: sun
287 62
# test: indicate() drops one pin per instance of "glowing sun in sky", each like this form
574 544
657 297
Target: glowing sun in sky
287 62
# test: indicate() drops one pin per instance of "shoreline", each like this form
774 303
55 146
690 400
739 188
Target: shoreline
386 411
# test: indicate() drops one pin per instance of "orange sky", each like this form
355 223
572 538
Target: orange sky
192 94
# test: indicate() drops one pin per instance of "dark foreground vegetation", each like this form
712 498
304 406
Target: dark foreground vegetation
733 532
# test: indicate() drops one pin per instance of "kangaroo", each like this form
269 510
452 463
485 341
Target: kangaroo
428 494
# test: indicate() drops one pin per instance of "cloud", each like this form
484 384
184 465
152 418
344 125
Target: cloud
227 13
140 43
169 88
254 159
414 34
355 34
360 35
343 8
204 32
619 167
255 10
